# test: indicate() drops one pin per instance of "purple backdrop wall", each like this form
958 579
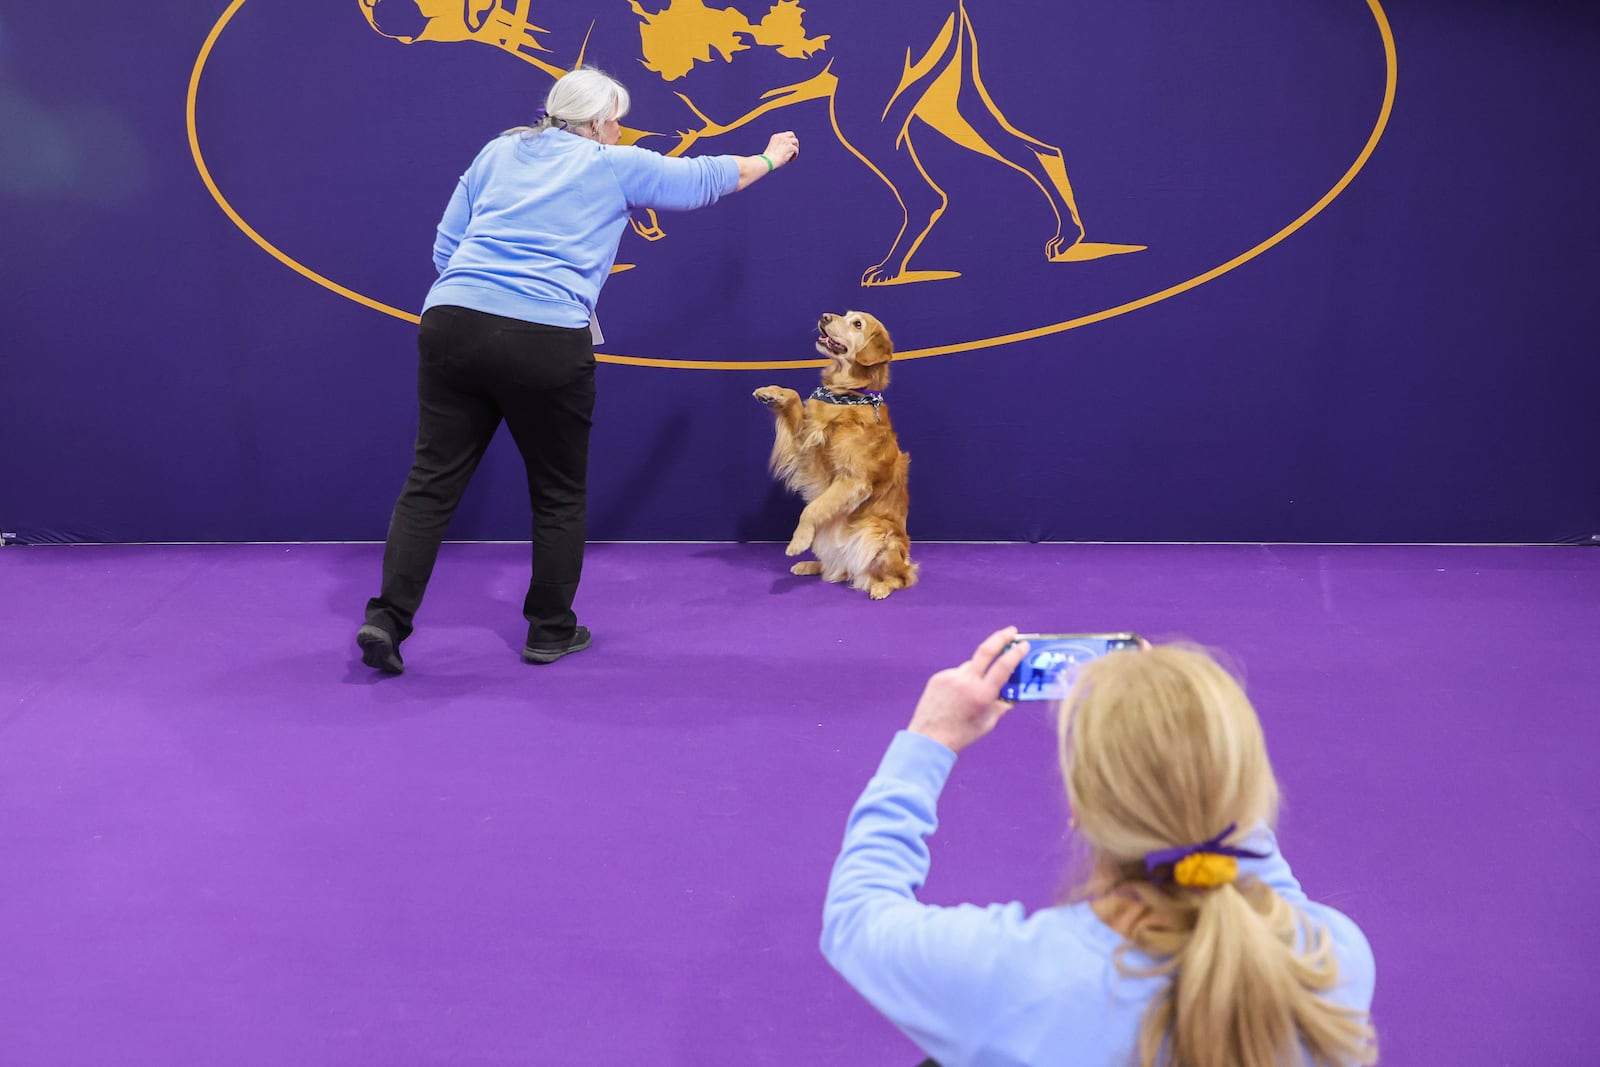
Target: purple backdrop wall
1414 363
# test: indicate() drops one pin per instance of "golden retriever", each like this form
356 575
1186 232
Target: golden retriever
838 450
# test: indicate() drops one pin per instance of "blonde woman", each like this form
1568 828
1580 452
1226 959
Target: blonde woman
1191 943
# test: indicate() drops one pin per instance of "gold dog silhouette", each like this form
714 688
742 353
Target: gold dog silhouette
942 91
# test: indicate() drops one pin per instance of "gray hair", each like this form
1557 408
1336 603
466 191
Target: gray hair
580 97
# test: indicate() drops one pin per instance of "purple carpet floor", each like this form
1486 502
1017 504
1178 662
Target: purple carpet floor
224 841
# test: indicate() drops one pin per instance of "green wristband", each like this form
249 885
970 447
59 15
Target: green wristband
770 168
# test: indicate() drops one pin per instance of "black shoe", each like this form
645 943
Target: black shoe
550 653
378 650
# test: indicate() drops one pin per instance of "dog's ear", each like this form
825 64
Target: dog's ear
877 347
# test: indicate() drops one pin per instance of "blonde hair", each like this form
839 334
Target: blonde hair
584 96
1161 749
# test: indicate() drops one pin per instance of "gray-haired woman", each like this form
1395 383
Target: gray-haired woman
524 246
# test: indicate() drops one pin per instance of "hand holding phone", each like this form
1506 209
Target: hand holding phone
961 704
1047 671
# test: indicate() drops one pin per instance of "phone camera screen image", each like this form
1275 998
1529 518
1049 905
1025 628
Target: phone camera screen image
1048 670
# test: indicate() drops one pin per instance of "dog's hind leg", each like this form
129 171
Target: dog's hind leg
892 569
881 590
879 556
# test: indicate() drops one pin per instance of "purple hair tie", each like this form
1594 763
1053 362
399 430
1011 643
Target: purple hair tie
1170 856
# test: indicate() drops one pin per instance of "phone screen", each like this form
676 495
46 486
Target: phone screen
1047 671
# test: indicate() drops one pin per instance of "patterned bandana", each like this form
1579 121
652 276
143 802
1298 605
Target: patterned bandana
859 396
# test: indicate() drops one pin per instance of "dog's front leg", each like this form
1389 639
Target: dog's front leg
838 499
790 413
785 404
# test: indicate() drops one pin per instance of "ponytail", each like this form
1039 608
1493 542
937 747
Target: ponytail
1247 972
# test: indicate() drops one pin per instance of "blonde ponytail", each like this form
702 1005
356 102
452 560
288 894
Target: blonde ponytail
1243 995
1160 748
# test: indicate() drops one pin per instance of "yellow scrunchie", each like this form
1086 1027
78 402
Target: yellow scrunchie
1205 870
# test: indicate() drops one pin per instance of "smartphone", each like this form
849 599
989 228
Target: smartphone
1047 671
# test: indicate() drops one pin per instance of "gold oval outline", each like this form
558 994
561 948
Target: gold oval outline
1390 81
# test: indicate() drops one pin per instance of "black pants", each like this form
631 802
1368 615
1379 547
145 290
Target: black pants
474 370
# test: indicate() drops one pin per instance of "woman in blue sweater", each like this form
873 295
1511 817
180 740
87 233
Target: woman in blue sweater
1187 946
507 334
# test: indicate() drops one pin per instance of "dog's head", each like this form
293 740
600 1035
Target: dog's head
860 349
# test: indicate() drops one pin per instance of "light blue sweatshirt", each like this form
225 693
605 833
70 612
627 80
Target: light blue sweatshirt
994 987
533 227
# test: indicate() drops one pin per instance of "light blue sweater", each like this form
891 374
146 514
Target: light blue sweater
993 987
533 227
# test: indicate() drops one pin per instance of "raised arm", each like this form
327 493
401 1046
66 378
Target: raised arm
939 974
683 183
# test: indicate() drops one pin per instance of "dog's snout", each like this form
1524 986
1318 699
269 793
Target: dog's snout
826 318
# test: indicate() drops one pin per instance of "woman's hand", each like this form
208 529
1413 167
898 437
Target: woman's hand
782 148
961 704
